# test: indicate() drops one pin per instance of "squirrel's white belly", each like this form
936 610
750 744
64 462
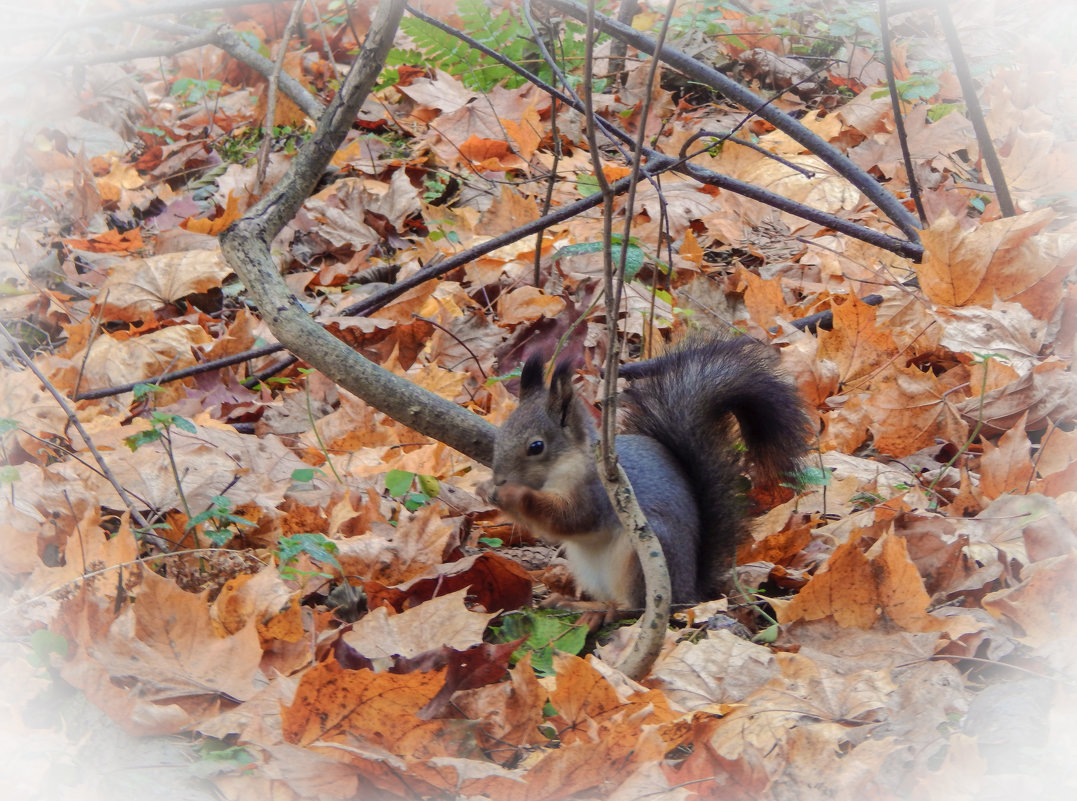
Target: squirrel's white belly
603 565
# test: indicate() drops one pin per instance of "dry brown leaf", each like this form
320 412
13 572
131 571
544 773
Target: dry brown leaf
442 92
527 133
1007 467
911 410
441 621
255 471
511 712
261 596
511 210
856 344
437 379
1032 605
723 669
1006 330
380 707
124 360
214 226
861 590
763 299
159 666
527 303
36 413
86 553
141 286
1010 259
1046 394
394 554
489 154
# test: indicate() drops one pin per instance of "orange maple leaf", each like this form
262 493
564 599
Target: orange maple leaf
109 242
217 224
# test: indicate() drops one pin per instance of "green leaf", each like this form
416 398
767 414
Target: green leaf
398 482
304 474
213 750
586 184
429 485
136 441
818 476
184 424
634 260
491 542
769 634
43 643
9 474
317 546
543 631
940 110
142 390
219 536
415 500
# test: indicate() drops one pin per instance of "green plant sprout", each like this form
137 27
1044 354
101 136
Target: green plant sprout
543 631
223 525
160 429
317 546
314 427
413 489
193 90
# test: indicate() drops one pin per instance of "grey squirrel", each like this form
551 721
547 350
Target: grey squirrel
679 450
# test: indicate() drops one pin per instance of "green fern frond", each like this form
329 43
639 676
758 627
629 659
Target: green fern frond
504 32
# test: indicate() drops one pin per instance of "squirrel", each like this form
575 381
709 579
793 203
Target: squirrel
679 450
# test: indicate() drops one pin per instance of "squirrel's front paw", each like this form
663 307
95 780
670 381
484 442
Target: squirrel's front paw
510 496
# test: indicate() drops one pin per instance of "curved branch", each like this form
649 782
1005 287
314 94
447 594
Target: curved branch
245 245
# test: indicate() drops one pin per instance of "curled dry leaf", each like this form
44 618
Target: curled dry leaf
137 287
444 620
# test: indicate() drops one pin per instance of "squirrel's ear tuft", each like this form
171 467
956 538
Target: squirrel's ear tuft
561 394
531 379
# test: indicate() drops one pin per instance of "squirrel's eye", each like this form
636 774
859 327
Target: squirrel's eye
536 447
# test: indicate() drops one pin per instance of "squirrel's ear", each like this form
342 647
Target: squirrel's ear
561 395
531 379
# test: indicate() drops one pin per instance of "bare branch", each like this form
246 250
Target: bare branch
696 70
246 248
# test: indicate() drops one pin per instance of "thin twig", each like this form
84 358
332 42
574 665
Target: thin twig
271 97
613 357
16 346
975 112
142 560
830 155
899 118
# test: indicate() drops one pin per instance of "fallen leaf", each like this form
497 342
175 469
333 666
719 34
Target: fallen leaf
865 590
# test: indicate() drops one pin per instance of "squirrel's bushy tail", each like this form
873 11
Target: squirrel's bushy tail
687 400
